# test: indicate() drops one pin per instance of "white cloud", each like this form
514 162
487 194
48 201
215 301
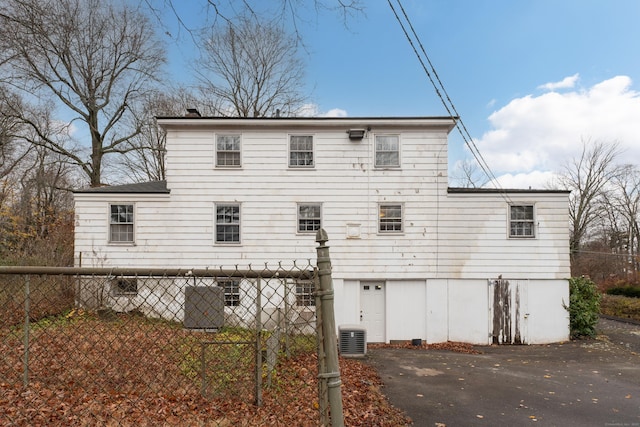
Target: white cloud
312 110
566 83
543 133
535 180
335 112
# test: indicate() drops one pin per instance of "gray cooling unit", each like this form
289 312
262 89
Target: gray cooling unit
352 340
203 307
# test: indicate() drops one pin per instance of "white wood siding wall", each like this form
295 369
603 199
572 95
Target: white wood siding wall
445 236
474 237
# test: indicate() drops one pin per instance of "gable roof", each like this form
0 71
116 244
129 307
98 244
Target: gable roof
152 187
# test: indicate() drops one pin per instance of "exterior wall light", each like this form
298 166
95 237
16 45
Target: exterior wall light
356 133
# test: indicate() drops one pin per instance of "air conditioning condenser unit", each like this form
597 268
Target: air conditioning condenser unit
352 340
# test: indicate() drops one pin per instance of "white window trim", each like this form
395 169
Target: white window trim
375 152
215 151
298 231
313 152
135 220
402 219
533 221
215 222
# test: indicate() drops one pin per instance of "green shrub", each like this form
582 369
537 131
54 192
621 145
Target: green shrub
584 307
626 291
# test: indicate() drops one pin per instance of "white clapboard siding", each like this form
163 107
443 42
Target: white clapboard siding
453 240
444 235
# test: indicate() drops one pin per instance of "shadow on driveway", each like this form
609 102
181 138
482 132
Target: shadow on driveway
580 383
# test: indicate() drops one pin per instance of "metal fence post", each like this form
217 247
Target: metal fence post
323 403
27 327
258 343
329 330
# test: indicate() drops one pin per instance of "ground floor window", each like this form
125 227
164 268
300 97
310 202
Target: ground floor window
305 290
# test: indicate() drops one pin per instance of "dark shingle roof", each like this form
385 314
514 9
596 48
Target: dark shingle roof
153 187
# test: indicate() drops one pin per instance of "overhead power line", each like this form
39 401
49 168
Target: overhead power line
437 84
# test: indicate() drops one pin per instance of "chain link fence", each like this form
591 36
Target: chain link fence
124 347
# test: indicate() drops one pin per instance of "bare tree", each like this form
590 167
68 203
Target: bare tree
93 59
251 69
587 177
624 201
145 159
468 174
283 11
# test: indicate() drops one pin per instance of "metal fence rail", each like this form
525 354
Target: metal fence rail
82 346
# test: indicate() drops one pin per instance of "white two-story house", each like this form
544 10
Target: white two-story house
412 258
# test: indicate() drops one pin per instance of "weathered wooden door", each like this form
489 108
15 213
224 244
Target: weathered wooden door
372 310
509 308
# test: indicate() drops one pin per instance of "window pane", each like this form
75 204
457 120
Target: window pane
390 218
304 293
522 222
309 218
300 151
121 223
228 150
231 292
387 150
228 223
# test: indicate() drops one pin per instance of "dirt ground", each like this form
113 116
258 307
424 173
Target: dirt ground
593 382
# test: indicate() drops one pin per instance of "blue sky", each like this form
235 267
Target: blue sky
530 79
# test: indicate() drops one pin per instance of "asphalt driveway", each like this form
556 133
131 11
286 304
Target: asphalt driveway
580 383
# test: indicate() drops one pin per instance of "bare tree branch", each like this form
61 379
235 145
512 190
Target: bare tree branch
95 58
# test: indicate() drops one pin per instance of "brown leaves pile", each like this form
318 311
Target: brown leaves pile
91 372
457 347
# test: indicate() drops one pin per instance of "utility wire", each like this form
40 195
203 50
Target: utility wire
448 103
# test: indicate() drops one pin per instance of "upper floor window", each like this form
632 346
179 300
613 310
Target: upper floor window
228 223
387 151
121 223
309 217
228 150
521 221
300 151
390 218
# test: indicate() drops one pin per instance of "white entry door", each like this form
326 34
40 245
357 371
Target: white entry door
372 310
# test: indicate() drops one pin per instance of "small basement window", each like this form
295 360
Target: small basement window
124 286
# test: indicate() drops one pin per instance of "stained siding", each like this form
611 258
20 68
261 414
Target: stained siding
451 243
445 235
475 240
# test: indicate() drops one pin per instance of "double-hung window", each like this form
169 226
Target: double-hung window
228 223
309 217
521 221
228 151
121 223
301 151
390 218
387 151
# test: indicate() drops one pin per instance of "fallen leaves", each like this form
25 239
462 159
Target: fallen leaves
131 372
457 347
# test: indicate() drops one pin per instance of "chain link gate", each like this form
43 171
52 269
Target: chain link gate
122 347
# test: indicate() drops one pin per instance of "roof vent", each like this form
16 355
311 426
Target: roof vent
192 112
